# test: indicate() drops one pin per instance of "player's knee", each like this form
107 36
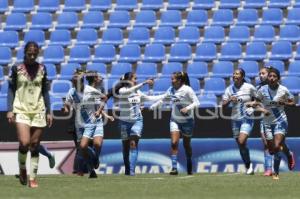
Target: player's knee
23 148
34 151
174 144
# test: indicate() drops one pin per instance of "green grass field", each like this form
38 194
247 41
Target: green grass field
156 186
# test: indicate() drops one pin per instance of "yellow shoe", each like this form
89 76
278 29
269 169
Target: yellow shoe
275 177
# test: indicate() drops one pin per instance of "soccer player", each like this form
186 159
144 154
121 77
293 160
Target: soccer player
131 119
238 95
184 101
29 107
274 98
263 76
92 104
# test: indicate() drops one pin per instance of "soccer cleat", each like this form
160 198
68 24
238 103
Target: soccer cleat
93 174
174 171
250 170
268 172
23 176
52 161
275 177
33 183
291 161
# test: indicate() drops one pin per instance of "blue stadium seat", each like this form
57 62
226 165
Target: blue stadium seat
214 34
110 103
189 34
197 70
292 83
239 34
152 4
3 88
214 85
93 19
3 6
119 19
80 54
231 51
231 4
119 69
51 71
23 5
1 73
281 50
272 16
248 17
208 101
197 18
154 53
256 51
104 53
171 67
279 65
99 67
111 81
195 85
279 3
87 36
255 3
139 35
178 4
161 85
145 18
60 37
103 5
41 20
164 35
206 52
5 55
16 21
67 20
130 53
20 55
54 54
290 33
67 70
296 4
126 4
170 18
3 103
251 68
204 4
293 16
74 5
48 5
264 33
222 17
222 69
112 36
180 52
60 88
35 35
294 69
56 102
297 56
9 39
146 70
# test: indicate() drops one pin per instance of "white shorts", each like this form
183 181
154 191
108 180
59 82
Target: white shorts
32 119
245 126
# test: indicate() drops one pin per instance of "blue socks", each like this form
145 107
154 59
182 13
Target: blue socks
133 159
277 159
268 160
44 151
174 161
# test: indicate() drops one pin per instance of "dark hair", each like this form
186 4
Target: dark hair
78 79
30 43
243 73
276 71
124 82
90 76
182 77
267 68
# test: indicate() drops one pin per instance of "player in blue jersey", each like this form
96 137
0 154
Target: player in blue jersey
131 119
184 101
238 95
274 97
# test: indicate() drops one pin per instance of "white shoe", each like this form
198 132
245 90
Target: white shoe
250 171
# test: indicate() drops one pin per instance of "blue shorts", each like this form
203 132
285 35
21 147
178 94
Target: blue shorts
128 129
185 128
92 130
273 129
242 126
